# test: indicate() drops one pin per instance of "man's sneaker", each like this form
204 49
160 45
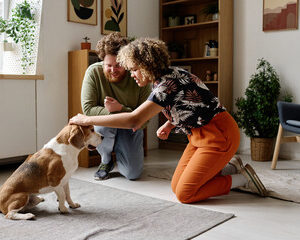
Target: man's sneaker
103 170
237 162
254 184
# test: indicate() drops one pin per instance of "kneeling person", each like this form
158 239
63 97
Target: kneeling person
107 88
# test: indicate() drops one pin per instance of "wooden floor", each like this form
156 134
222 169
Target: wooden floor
255 218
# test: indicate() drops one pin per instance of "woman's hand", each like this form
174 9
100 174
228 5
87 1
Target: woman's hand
80 119
164 131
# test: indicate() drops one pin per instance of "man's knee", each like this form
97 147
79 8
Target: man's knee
130 172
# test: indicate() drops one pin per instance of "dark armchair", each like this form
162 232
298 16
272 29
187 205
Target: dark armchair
289 117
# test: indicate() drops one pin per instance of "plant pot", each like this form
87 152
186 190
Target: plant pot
86 45
213 52
215 16
262 149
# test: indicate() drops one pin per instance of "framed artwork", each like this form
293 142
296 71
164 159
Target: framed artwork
82 11
114 16
280 15
190 19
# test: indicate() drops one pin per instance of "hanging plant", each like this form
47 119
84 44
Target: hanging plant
21 29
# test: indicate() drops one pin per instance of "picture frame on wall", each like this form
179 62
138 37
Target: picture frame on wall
280 15
82 11
114 16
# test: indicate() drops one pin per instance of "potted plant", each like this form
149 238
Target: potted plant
86 44
21 29
257 112
211 11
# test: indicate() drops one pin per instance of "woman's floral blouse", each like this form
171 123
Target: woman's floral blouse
186 100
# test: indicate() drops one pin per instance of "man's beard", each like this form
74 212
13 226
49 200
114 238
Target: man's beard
110 78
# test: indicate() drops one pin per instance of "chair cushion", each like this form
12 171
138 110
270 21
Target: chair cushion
294 123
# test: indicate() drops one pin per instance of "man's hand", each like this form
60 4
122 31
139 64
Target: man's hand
112 105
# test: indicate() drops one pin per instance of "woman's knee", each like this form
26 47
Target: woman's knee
183 197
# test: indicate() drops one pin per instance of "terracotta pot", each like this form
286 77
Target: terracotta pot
86 45
262 149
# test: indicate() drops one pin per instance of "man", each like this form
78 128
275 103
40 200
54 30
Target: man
107 88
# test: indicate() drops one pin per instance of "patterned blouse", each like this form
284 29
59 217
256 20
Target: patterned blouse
186 100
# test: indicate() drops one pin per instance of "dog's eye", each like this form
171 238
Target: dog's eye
92 130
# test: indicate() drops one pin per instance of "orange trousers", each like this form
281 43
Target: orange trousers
210 148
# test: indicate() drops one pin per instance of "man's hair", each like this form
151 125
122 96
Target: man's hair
110 44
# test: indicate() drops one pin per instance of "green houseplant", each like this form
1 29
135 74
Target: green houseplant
257 112
211 10
21 29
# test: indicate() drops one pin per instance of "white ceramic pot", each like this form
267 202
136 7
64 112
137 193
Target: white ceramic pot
215 16
213 52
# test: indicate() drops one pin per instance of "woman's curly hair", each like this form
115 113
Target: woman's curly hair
110 44
150 55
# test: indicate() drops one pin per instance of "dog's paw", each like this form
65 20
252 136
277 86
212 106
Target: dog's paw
63 209
75 205
29 216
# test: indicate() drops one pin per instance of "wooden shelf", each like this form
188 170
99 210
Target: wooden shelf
194 25
210 82
193 38
193 59
176 2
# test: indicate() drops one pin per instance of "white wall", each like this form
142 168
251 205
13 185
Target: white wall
58 36
280 48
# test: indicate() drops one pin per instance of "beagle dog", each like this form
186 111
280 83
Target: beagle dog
46 171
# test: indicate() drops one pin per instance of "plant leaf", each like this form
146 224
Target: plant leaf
76 4
114 20
121 17
114 10
119 9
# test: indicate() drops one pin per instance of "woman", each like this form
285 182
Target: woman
203 170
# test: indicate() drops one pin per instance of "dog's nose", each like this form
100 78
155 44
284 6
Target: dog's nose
102 137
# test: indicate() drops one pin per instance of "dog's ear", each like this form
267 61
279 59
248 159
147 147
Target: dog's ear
77 137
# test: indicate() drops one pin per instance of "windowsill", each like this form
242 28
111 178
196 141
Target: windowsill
21 77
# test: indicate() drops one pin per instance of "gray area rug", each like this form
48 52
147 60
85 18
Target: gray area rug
109 213
282 183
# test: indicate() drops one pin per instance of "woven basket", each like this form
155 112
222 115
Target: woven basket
262 149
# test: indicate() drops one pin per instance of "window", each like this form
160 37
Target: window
10 62
1 36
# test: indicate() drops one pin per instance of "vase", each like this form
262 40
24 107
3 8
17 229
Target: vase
262 149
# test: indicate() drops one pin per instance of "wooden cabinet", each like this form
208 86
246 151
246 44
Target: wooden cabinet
192 38
78 62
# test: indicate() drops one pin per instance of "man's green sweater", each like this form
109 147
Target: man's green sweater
96 87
